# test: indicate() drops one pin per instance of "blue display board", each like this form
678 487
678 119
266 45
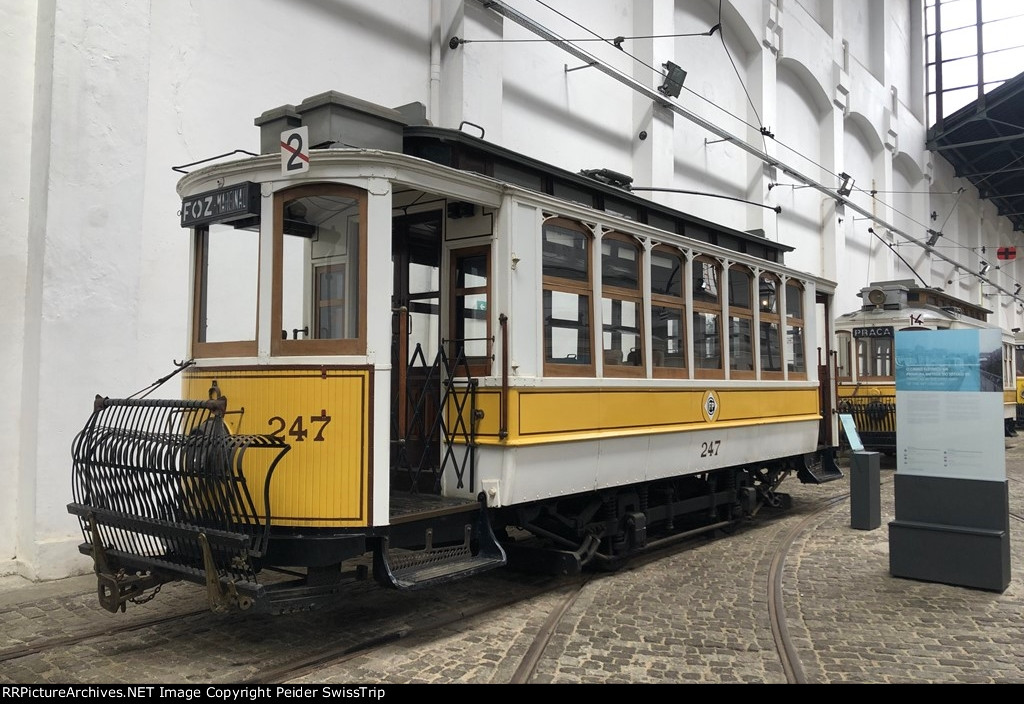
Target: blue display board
949 404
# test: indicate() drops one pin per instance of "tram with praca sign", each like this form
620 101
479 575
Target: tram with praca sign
865 343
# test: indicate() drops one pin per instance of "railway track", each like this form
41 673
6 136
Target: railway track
561 596
501 627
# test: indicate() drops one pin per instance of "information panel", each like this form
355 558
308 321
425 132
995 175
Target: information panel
949 404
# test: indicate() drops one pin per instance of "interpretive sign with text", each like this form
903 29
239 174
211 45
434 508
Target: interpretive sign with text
949 404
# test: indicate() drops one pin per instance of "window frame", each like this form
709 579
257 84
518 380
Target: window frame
743 313
579 287
478 366
844 346
767 317
226 348
871 349
311 347
631 295
708 307
676 303
795 289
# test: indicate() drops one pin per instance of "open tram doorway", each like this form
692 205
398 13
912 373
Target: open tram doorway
416 338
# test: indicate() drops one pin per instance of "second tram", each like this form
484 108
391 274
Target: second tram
865 344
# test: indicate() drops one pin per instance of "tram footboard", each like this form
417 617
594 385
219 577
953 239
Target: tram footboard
160 494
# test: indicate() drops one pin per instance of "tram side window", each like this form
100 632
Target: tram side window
567 299
472 328
318 271
1019 356
795 330
621 306
226 288
741 322
771 327
874 357
707 318
668 313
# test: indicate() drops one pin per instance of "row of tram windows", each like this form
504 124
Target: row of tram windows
699 307
698 304
873 357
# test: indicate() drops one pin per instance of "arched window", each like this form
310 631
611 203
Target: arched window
707 318
741 322
668 312
771 327
567 299
874 358
621 306
795 330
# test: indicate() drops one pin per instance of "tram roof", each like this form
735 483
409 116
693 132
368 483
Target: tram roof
463 151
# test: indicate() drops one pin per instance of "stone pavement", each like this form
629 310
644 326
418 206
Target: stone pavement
698 616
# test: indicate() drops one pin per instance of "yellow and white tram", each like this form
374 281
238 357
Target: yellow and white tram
418 348
865 338
1018 364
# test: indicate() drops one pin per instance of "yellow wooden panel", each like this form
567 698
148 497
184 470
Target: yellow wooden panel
748 405
324 480
565 411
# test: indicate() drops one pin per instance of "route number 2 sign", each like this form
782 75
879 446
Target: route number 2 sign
295 151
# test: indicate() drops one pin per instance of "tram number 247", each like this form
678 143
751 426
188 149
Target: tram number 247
297 430
710 449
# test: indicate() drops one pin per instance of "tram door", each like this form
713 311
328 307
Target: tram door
416 337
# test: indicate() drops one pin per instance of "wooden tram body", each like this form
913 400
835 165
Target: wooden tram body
865 339
430 354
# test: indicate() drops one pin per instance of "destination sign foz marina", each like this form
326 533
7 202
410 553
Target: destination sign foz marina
222 205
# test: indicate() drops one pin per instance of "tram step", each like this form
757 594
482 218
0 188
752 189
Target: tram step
820 468
439 573
415 569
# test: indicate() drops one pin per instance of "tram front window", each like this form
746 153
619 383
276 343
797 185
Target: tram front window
874 357
318 255
228 271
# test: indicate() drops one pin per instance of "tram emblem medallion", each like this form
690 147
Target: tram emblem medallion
710 406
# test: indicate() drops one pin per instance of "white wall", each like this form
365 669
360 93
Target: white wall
105 98
19 25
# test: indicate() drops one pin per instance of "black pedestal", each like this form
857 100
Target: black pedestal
954 531
865 491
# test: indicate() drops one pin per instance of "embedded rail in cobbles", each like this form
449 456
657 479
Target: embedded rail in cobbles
701 614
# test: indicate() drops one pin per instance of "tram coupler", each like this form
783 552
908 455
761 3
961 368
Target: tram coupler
116 590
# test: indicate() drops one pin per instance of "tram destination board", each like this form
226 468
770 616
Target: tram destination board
876 331
222 205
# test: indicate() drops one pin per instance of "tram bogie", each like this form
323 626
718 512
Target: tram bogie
405 362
